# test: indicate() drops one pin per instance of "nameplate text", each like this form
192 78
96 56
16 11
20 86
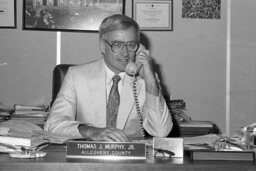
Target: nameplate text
105 150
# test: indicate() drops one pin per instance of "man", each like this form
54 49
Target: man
80 108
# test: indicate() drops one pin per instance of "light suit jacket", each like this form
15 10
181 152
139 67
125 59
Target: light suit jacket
82 99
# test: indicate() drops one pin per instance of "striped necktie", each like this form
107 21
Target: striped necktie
113 102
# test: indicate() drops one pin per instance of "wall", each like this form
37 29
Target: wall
191 60
29 57
243 63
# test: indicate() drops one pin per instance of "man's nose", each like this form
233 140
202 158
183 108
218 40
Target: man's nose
125 50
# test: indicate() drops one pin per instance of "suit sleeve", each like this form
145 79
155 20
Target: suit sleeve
63 111
157 118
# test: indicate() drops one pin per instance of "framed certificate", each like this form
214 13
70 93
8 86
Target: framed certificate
7 13
153 15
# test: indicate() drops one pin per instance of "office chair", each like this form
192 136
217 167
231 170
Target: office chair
59 73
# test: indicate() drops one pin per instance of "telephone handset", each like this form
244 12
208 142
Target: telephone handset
133 69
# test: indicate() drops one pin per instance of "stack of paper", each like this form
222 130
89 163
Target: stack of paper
25 141
15 134
4 113
32 114
201 142
15 142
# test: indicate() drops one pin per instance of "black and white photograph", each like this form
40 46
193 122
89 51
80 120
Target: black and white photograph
128 85
201 9
68 15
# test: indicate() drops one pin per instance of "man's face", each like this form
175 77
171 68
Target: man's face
118 61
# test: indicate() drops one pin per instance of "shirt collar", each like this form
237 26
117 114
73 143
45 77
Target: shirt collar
109 74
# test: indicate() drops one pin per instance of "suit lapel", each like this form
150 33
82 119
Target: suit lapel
98 92
127 101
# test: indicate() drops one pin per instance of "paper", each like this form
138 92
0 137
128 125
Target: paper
55 138
204 139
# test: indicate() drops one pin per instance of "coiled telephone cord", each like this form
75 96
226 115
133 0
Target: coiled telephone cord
135 95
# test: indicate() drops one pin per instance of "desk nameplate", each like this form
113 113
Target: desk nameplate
105 150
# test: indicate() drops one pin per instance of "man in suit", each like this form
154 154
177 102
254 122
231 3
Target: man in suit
80 108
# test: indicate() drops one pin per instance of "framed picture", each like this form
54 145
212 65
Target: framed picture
201 9
68 15
153 15
8 14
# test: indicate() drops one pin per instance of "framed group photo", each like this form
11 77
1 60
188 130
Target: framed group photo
68 15
8 14
154 15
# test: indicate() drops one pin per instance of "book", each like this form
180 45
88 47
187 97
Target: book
33 110
34 114
222 155
22 141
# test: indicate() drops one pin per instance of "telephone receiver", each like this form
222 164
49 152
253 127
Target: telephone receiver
132 68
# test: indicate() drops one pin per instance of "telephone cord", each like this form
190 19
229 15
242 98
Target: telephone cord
138 106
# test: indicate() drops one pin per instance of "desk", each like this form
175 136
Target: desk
57 161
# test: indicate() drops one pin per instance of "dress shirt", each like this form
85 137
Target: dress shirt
109 75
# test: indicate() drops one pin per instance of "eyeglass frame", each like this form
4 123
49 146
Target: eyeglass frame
123 45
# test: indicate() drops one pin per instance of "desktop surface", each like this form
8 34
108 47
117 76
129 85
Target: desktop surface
56 160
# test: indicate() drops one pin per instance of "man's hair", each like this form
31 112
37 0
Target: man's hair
117 22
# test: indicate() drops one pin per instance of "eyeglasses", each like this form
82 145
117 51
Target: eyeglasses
117 46
225 143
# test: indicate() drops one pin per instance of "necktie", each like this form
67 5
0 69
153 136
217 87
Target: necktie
113 102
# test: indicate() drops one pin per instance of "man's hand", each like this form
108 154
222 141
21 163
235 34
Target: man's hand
147 72
102 134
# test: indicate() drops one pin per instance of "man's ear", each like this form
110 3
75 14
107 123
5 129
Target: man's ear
102 46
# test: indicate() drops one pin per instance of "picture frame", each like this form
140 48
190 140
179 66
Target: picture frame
68 15
8 14
153 15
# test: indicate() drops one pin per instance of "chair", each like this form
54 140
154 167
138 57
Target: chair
59 73
185 128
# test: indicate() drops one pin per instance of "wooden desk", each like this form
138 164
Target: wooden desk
56 160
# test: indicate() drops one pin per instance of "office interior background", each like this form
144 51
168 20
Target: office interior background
209 63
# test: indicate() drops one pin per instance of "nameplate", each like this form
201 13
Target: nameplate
105 150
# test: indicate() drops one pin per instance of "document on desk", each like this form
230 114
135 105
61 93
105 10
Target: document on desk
55 138
196 124
208 138
200 142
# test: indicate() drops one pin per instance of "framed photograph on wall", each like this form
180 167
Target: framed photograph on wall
153 15
68 15
8 14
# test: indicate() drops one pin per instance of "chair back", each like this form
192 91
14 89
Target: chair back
59 73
